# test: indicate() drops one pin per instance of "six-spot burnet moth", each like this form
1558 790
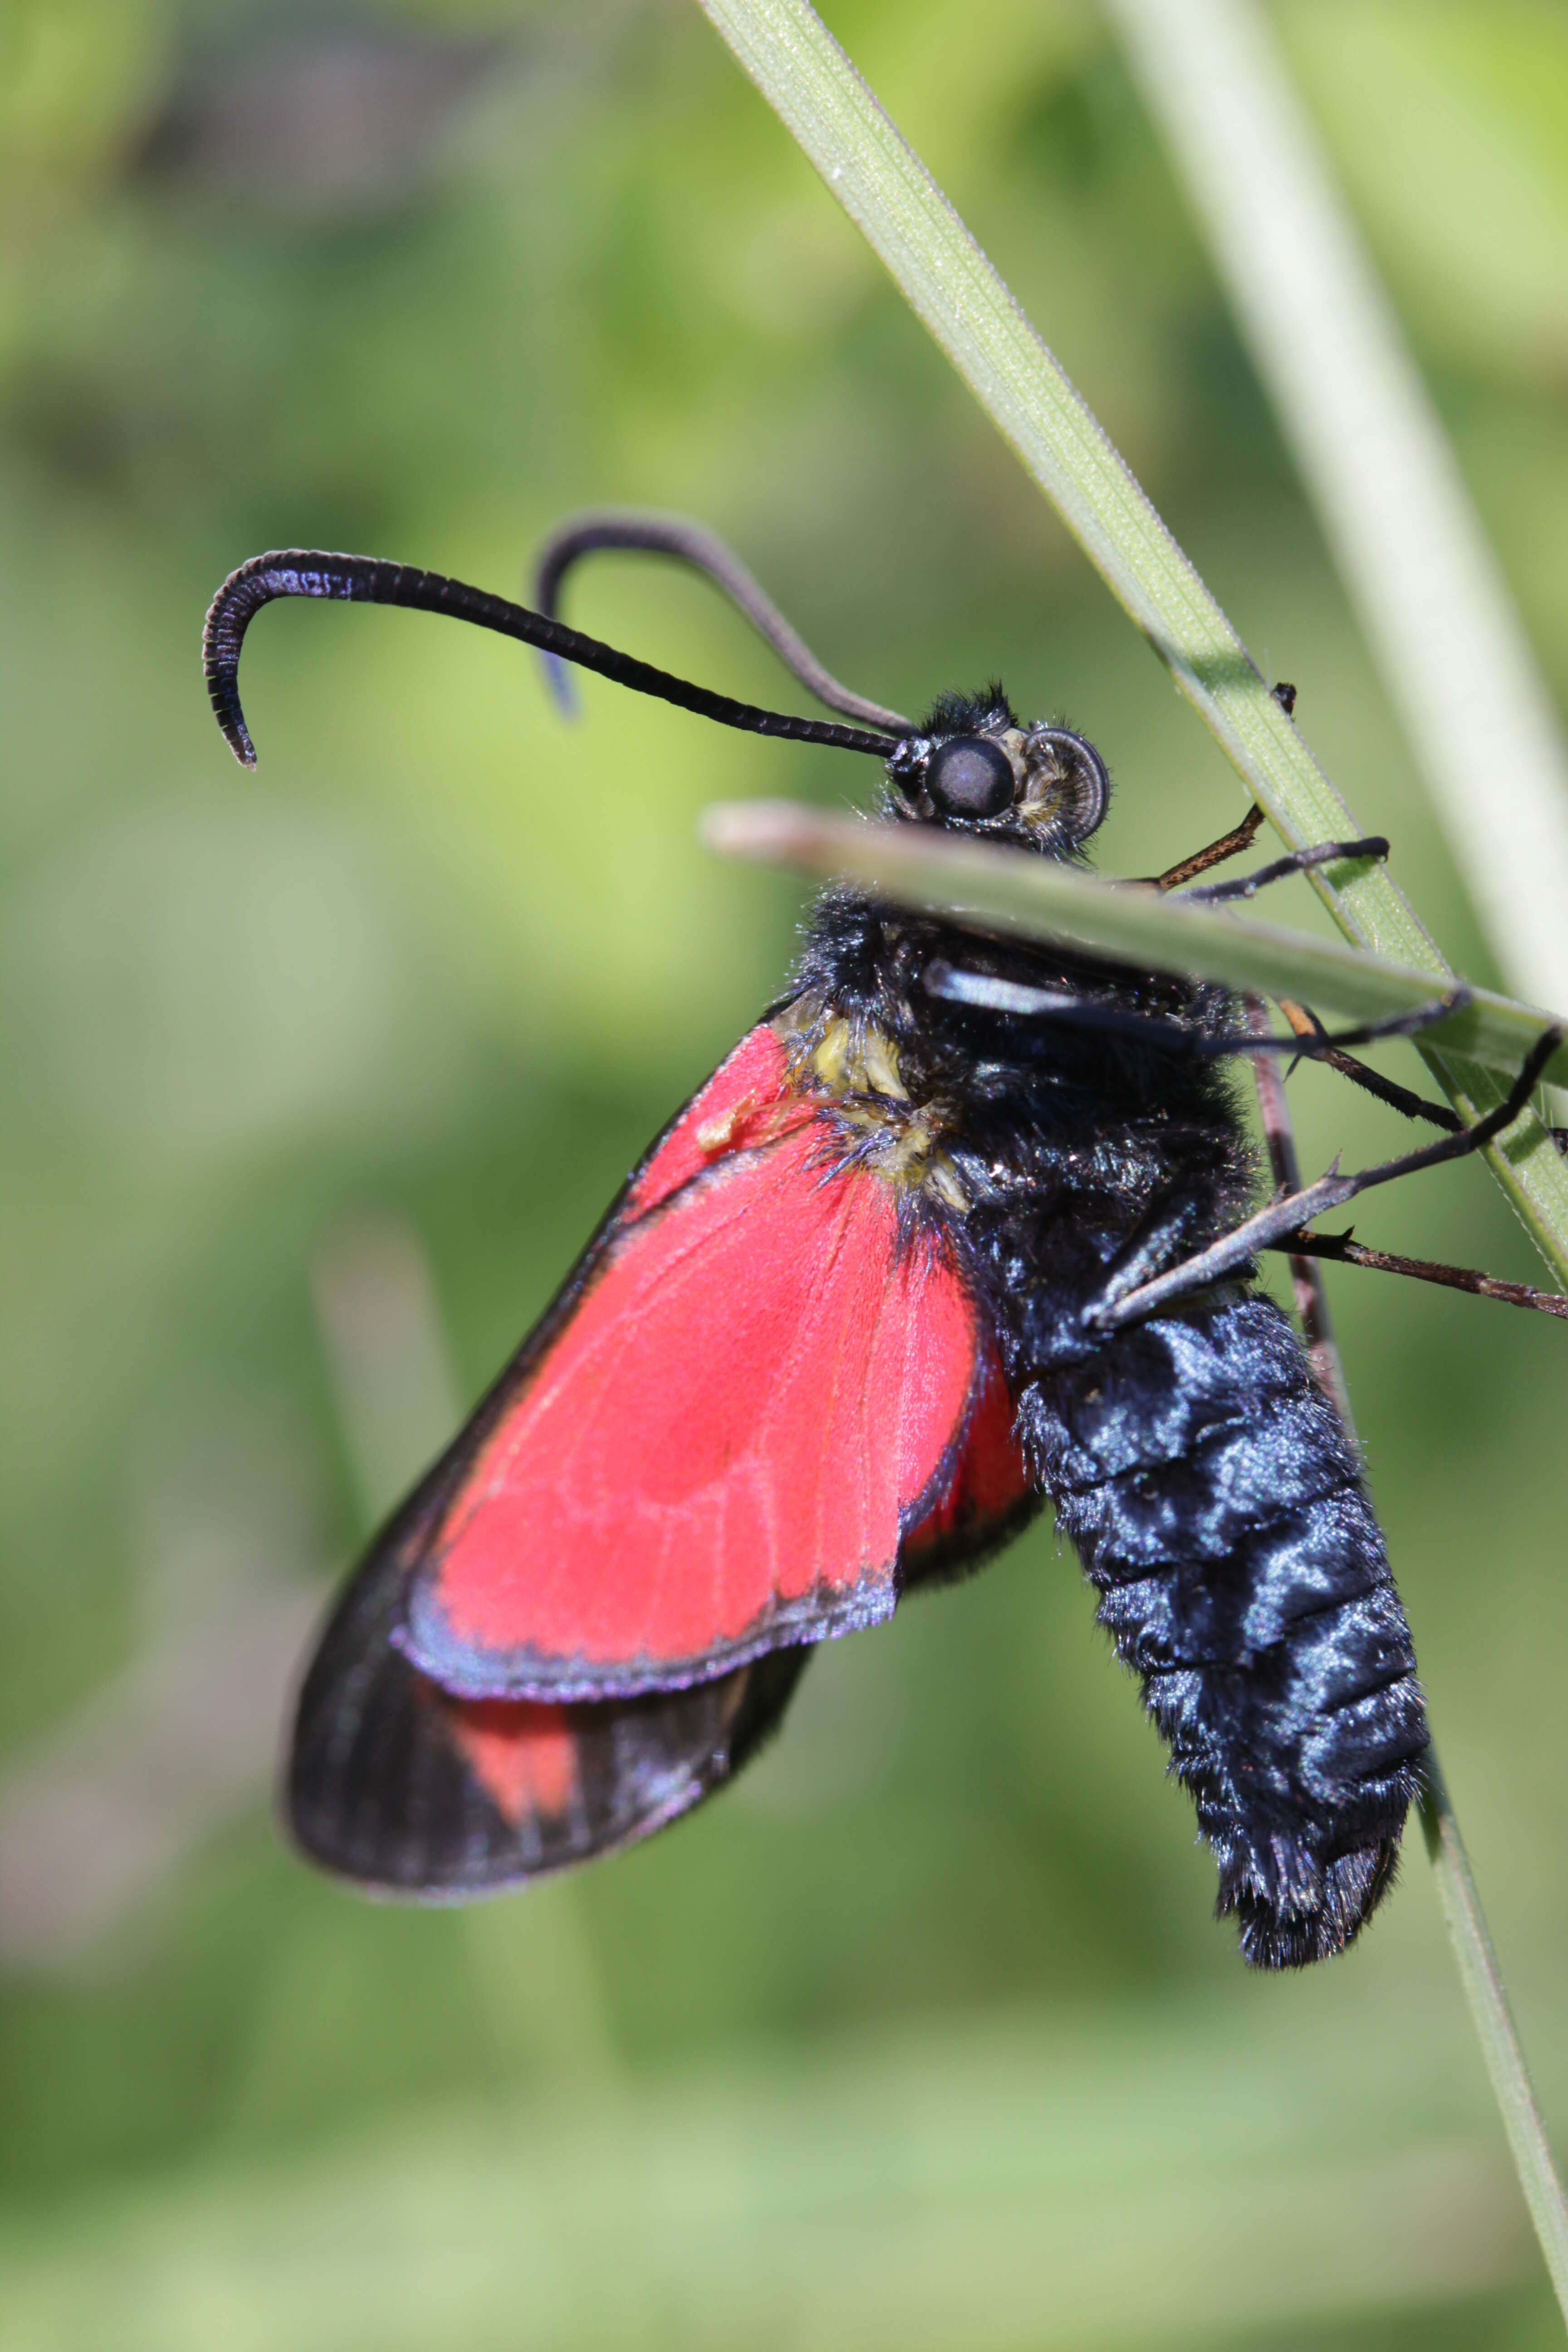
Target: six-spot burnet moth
945 1236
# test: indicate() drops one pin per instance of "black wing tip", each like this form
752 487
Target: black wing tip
382 1864
387 1853
375 1792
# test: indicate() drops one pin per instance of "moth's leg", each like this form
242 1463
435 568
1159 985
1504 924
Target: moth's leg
1297 861
1320 1043
1343 1251
955 986
1308 1286
1246 886
1158 1237
1304 1249
1409 1105
1294 1210
1232 843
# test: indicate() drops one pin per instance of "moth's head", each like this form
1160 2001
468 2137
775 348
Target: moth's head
974 769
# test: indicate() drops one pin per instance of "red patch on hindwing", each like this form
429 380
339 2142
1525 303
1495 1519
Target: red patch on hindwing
521 1753
990 1491
721 1443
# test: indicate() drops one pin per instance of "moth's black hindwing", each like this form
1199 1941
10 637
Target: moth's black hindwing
396 1785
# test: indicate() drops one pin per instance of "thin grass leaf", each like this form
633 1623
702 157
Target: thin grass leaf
1371 450
1040 899
1462 1915
1493 2020
809 82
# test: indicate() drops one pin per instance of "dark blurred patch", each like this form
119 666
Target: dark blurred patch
64 420
340 122
1069 135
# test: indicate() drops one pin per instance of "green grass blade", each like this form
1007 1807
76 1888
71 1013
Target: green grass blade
1041 899
810 83
1373 451
1495 2030
1456 1894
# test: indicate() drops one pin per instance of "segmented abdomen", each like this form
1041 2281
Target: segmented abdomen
1217 1506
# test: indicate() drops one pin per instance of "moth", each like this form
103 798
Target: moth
963 1225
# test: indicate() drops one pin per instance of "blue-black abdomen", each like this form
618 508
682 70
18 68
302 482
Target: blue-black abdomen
1217 1506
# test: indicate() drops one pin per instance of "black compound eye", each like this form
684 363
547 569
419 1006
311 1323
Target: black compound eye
969 776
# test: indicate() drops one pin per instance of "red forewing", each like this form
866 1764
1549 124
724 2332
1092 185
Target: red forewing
755 1389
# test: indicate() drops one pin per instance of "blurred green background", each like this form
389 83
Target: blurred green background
314 1081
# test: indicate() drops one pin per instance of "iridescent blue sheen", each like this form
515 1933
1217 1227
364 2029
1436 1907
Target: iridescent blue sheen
1219 1510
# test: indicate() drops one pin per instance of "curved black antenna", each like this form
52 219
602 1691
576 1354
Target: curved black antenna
689 542
366 580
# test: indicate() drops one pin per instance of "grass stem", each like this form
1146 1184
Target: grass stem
1462 1915
809 82
1038 898
1372 452
1493 2020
